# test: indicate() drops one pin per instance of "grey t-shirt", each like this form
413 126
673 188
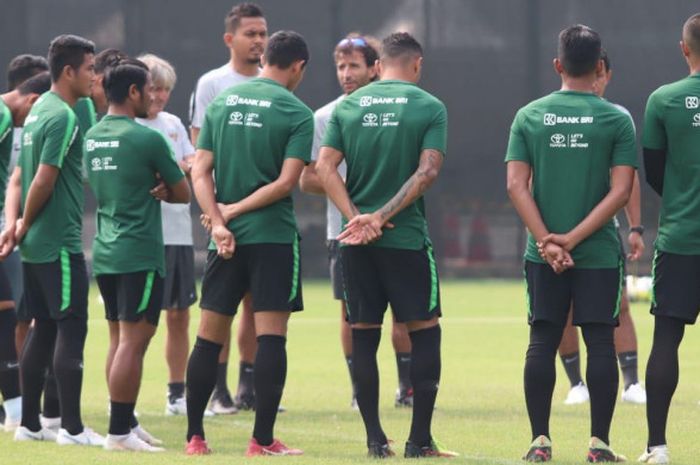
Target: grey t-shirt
208 87
334 219
177 219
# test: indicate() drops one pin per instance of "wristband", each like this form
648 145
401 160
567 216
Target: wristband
638 229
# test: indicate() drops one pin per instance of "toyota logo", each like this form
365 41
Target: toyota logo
557 138
236 116
96 162
696 117
370 118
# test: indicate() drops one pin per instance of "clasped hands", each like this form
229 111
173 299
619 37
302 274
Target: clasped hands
555 249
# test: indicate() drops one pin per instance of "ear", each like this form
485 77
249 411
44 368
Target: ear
228 39
556 64
69 71
380 67
684 49
134 92
33 98
600 68
263 60
419 63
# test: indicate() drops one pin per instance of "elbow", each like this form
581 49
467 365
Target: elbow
513 187
286 186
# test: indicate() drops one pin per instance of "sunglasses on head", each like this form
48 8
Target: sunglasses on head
353 42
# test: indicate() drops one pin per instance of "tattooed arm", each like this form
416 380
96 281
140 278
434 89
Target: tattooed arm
368 227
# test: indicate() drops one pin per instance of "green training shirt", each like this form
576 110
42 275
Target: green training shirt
382 128
51 136
122 159
6 128
572 140
252 128
672 124
84 110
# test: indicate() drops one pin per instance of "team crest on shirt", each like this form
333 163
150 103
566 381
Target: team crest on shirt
692 102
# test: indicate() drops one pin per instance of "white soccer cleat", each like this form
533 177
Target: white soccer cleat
53 424
656 455
22 433
634 394
85 438
577 395
179 407
145 436
119 442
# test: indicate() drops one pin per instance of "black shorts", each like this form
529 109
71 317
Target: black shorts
56 290
270 272
132 296
336 269
595 294
179 289
5 287
375 277
676 286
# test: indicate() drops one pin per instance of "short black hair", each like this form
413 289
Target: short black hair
579 50
24 66
106 58
691 33
37 84
400 45
606 59
121 76
68 50
242 10
285 48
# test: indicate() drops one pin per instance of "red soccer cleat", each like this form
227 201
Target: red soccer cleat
197 446
276 448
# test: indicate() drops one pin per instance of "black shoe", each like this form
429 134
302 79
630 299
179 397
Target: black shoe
433 450
244 401
376 450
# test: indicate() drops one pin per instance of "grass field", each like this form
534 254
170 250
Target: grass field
480 408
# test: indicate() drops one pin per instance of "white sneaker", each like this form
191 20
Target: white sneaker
50 423
179 407
145 436
634 394
117 442
85 438
23 433
209 413
657 455
222 407
577 395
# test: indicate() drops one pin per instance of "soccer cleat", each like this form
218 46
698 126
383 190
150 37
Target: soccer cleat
655 455
222 404
176 406
403 398
435 449
634 394
23 433
87 437
197 446
145 436
599 452
377 450
540 450
50 423
244 401
276 448
119 442
577 395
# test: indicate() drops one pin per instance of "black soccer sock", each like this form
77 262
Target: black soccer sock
133 422
425 378
246 383
348 361
601 376
270 375
201 378
365 343
403 365
541 374
662 375
572 367
9 366
120 417
221 386
175 391
68 366
628 367
52 406
36 357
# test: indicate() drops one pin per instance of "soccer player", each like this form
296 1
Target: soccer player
393 136
46 188
255 140
355 64
580 152
14 107
625 335
179 290
245 37
671 137
125 162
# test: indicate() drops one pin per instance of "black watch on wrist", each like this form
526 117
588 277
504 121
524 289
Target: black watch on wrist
638 229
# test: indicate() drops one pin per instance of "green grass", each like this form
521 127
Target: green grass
481 410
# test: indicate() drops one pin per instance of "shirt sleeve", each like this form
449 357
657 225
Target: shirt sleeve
333 137
301 137
60 134
200 101
205 140
184 139
625 148
517 146
654 135
164 160
319 129
435 136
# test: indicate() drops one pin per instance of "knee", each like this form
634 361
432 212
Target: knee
178 320
544 340
600 340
